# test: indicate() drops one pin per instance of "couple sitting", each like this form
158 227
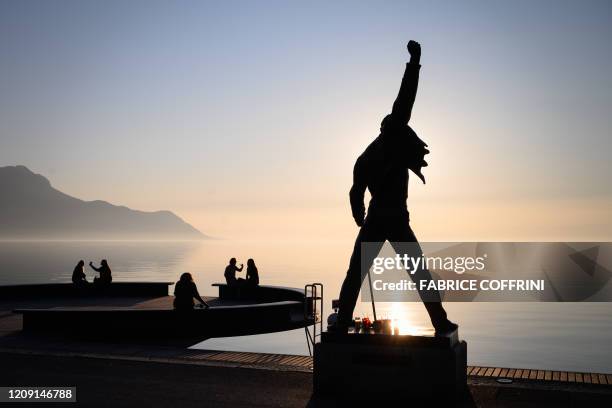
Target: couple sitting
252 275
79 278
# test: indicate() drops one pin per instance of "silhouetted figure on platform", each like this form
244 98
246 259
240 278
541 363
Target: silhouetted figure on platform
230 273
106 276
252 274
78 274
185 291
383 169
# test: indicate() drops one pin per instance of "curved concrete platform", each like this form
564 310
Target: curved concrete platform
256 310
259 293
200 324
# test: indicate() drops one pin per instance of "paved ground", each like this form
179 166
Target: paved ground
120 383
115 383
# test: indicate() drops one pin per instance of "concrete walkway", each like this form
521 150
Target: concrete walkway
121 383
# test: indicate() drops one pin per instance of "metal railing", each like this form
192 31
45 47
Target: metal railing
313 311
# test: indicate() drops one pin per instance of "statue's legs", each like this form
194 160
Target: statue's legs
377 230
372 231
404 242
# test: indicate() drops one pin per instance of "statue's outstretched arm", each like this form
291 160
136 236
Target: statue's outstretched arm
402 107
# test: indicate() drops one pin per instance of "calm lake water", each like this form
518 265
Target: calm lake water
559 336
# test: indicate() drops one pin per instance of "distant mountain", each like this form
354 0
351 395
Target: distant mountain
30 208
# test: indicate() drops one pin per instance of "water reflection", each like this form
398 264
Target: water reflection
405 323
52 261
559 336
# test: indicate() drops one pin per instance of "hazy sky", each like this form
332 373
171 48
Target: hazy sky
245 118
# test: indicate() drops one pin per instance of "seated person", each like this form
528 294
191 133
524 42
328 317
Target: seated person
78 274
184 292
105 273
230 273
252 275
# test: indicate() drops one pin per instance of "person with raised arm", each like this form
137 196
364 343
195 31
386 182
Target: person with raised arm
383 169
230 273
106 276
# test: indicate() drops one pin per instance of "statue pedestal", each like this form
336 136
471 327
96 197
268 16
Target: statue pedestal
356 365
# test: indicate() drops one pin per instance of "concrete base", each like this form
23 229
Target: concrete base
356 365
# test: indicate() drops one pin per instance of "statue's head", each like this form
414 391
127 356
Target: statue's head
388 126
402 143
384 125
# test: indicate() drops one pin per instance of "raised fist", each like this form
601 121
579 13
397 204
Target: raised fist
414 48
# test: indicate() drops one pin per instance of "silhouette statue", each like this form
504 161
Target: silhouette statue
185 291
230 273
78 274
252 274
105 273
383 169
